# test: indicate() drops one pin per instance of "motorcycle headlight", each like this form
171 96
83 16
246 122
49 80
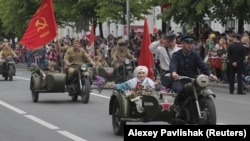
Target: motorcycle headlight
202 80
127 61
84 67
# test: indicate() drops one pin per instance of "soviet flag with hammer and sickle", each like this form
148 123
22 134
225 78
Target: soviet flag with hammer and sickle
42 27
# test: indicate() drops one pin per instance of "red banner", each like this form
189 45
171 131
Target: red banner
42 27
146 57
92 36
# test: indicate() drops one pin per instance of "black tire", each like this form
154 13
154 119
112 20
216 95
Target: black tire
35 96
11 72
117 123
208 110
85 92
74 97
5 77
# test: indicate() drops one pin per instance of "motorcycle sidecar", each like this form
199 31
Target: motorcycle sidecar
48 83
145 107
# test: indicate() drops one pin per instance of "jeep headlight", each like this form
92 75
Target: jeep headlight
202 80
84 67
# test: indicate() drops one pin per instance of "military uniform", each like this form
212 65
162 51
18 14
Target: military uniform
120 53
76 56
4 53
8 54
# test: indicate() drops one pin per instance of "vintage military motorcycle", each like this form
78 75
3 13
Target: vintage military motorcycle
7 68
80 85
55 82
125 72
147 105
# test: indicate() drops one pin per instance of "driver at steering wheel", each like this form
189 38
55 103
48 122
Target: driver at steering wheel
75 55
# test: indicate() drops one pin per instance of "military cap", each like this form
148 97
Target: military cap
5 40
237 35
171 36
187 39
121 42
76 40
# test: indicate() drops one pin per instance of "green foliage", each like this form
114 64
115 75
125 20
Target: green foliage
15 14
115 10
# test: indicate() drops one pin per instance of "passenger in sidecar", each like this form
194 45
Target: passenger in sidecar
46 80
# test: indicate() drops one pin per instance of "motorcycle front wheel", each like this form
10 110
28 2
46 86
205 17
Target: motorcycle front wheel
208 111
11 72
85 92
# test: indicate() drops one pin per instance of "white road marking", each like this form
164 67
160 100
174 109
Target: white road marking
21 78
12 107
71 136
95 94
42 122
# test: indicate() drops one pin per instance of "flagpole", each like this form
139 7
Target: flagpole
128 19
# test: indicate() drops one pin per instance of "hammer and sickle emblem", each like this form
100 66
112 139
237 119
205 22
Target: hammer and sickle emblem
41 23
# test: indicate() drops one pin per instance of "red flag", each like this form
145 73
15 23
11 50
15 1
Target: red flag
146 58
92 36
42 27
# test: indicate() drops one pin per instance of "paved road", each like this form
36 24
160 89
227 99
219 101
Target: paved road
56 118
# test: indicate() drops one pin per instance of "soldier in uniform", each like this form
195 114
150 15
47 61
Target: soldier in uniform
120 53
75 55
100 61
7 53
62 47
5 42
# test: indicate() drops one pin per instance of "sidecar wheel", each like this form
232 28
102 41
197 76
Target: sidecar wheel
35 96
208 111
85 92
117 123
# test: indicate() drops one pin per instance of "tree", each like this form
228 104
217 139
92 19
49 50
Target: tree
114 11
193 11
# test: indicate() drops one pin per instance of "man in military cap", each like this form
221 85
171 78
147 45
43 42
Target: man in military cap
76 55
7 53
164 48
5 42
187 62
120 53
